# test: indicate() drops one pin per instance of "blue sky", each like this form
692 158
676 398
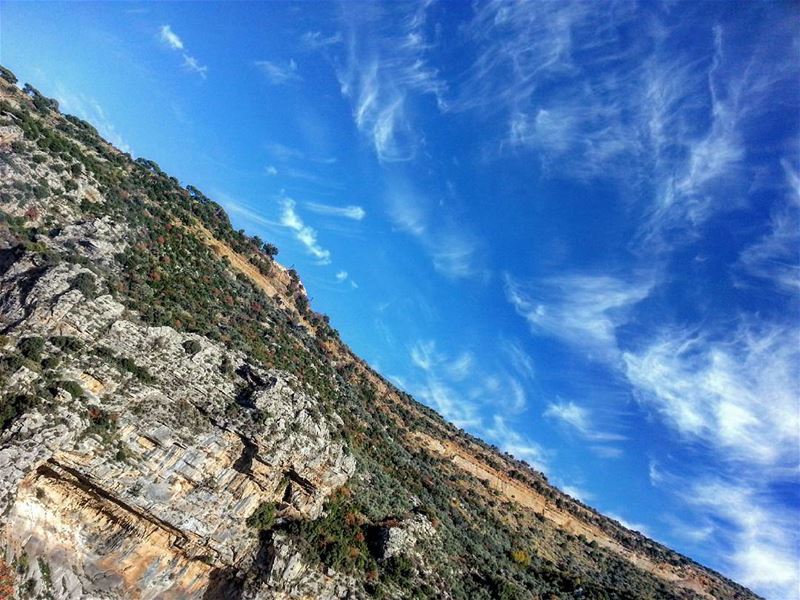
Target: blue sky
571 228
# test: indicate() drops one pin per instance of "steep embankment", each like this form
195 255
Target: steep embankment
177 422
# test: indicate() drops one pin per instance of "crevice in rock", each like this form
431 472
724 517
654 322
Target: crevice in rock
244 464
224 584
308 487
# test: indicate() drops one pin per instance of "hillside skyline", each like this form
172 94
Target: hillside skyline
572 235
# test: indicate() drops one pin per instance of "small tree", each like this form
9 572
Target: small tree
10 78
270 250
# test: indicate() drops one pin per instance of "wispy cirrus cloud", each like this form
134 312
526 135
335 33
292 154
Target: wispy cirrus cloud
382 74
353 212
304 234
174 42
581 420
510 440
641 528
277 73
590 101
519 359
775 256
581 310
461 388
316 40
763 535
285 154
737 393
740 516
453 249
170 38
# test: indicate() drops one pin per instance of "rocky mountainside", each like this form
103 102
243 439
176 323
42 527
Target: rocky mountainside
177 422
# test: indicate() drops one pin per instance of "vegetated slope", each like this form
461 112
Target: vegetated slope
177 422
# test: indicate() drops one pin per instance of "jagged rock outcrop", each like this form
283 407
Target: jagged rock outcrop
400 536
141 487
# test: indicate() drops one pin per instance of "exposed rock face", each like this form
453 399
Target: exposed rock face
142 487
395 537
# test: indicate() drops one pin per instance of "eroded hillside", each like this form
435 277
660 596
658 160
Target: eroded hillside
177 422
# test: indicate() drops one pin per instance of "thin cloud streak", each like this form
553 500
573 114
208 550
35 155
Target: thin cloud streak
581 420
170 38
174 42
278 74
353 212
454 250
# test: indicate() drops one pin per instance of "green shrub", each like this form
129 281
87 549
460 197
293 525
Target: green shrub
67 343
101 424
31 347
192 346
51 362
263 517
13 407
85 283
72 387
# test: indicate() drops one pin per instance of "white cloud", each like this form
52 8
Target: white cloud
775 257
577 493
454 251
170 38
581 420
764 537
271 170
190 63
341 276
447 401
582 310
461 367
316 40
658 117
453 254
380 74
607 451
462 387
423 355
356 213
279 74
286 154
407 211
519 359
302 232
737 394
